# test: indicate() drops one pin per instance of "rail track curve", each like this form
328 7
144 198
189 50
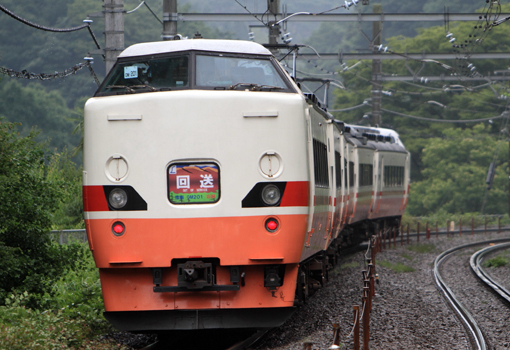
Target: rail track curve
475 334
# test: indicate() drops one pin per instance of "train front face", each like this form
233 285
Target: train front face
196 186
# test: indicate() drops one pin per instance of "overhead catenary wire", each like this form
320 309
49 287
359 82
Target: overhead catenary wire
38 26
503 115
50 29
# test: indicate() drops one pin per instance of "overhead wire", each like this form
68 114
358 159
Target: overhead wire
50 29
40 27
503 115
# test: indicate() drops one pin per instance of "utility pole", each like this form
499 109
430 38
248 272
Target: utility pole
376 70
113 30
273 7
169 19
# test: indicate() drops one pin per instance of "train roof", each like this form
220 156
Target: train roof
230 46
371 131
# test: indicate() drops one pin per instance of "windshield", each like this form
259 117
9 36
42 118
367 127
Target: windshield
232 73
210 71
149 74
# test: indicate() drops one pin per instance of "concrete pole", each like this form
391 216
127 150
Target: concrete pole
113 30
376 71
274 31
169 19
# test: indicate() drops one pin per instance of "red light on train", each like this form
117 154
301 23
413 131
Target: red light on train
118 228
272 225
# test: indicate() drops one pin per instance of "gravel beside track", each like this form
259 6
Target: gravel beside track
408 311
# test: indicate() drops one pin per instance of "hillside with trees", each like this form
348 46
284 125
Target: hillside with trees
450 160
55 106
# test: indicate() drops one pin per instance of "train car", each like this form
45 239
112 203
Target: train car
216 194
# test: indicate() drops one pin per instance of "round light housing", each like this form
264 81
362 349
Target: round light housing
118 198
118 228
271 195
272 225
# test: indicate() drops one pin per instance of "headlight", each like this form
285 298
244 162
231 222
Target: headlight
118 198
271 195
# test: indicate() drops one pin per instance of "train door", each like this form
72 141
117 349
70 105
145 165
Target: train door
339 184
332 137
319 182
378 167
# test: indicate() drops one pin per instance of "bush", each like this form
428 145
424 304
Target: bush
498 261
22 328
30 192
78 292
73 307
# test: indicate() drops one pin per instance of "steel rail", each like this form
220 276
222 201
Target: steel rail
465 317
245 344
476 335
475 263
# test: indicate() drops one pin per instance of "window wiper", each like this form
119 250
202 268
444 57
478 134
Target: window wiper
144 86
269 87
132 89
255 87
233 87
128 89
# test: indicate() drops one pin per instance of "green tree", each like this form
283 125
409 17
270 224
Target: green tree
455 169
28 198
34 106
457 186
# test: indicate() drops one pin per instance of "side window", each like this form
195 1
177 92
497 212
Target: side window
351 174
320 160
338 164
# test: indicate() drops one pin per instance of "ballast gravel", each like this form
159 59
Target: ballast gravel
408 311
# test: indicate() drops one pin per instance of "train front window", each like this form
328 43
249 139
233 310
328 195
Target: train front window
236 73
146 75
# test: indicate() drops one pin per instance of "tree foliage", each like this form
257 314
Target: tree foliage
29 194
449 161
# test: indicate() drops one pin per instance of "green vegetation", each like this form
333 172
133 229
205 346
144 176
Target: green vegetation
397 267
68 317
422 248
351 265
498 261
49 293
407 256
446 158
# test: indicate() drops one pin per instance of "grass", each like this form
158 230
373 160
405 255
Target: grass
422 248
397 267
498 261
407 256
349 265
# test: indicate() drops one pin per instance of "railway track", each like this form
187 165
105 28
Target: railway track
475 333
476 266
210 341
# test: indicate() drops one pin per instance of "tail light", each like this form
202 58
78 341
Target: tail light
118 228
272 225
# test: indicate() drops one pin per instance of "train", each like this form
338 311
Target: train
217 194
